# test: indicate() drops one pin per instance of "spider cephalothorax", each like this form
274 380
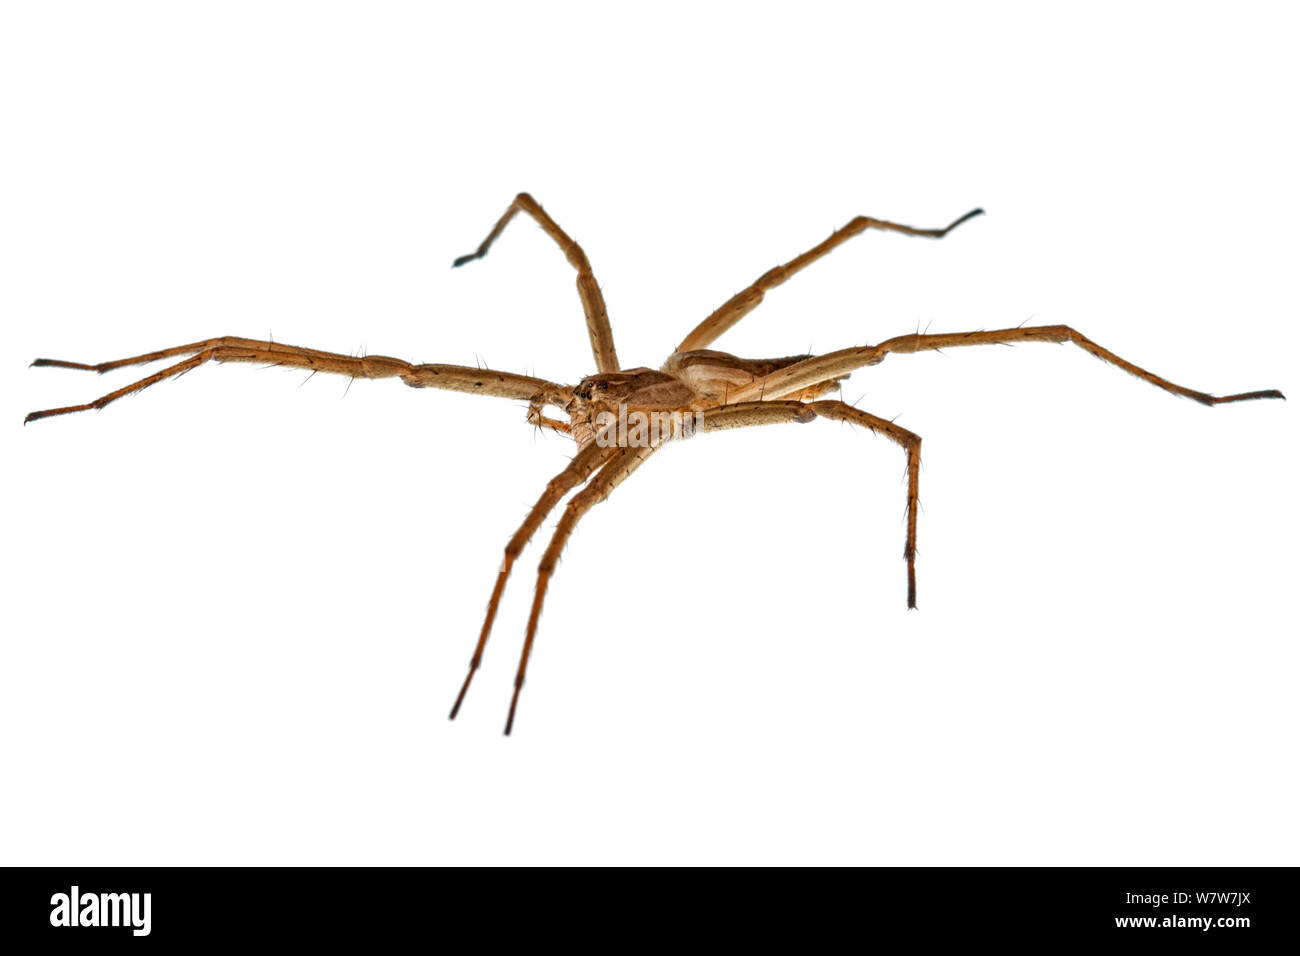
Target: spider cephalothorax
689 384
620 417
601 401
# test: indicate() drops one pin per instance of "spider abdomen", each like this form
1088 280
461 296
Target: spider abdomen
714 375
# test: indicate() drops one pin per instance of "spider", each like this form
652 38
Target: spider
613 415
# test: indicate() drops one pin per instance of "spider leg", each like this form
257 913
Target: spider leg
745 301
593 303
231 348
579 470
821 368
780 412
622 463
910 442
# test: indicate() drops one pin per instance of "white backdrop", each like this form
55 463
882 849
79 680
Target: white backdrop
239 607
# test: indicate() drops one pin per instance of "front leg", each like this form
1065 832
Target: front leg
229 348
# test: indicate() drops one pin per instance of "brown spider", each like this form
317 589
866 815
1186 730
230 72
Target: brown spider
619 417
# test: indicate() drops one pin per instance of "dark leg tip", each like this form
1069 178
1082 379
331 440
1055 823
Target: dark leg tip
966 218
460 698
514 705
1246 396
59 363
464 259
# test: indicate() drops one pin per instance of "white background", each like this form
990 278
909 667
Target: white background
237 610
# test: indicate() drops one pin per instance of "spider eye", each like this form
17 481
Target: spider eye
602 386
